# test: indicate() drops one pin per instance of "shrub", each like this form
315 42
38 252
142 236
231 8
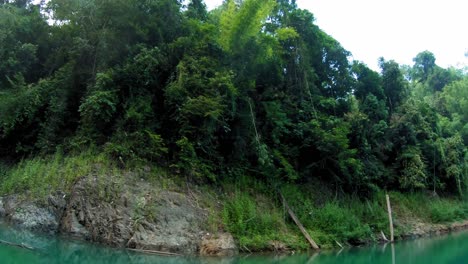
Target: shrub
339 222
252 222
136 146
447 211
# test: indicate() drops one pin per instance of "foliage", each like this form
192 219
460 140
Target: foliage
254 223
338 221
251 97
251 86
41 176
445 211
136 146
412 170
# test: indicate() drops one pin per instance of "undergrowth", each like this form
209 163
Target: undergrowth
245 206
40 176
257 218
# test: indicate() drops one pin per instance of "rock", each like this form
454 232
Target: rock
71 225
459 226
277 246
87 217
220 245
34 218
2 209
28 215
136 218
176 226
57 204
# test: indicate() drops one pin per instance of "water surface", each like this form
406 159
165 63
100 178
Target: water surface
450 249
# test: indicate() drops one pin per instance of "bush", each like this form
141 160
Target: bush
371 212
251 223
190 164
339 222
447 211
136 146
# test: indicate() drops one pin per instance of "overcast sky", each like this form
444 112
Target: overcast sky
393 29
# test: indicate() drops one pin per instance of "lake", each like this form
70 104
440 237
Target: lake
452 248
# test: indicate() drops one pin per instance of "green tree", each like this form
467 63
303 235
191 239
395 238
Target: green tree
424 64
393 82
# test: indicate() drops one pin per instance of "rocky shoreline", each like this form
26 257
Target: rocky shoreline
141 217
419 230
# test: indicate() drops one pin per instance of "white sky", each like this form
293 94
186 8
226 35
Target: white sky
393 29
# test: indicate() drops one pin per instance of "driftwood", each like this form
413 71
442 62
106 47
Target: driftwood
22 245
383 236
339 244
154 252
299 224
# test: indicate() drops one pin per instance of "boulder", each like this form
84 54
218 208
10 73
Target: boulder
28 215
220 245
87 217
140 217
177 225
32 217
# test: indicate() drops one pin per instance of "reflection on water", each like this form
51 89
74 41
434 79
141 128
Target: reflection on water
445 249
451 249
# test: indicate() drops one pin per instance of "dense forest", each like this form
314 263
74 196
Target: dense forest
250 88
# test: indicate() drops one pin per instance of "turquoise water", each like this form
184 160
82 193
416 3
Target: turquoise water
451 249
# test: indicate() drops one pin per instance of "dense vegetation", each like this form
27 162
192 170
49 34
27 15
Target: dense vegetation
250 88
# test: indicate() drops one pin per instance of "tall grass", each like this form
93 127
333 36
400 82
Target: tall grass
40 176
251 209
430 209
251 214
257 217
255 223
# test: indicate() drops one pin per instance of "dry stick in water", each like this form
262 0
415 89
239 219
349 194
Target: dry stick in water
162 253
16 245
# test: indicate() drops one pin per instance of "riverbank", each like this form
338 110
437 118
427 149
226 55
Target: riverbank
147 208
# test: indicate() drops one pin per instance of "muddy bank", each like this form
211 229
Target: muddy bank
134 215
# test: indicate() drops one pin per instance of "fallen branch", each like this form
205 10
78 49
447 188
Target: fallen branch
246 248
298 223
154 252
383 236
339 244
22 245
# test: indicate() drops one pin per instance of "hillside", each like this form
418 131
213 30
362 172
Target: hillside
246 100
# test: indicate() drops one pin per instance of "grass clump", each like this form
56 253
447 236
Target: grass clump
443 211
255 222
429 208
340 223
40 176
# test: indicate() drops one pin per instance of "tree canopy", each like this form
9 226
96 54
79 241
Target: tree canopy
252 87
